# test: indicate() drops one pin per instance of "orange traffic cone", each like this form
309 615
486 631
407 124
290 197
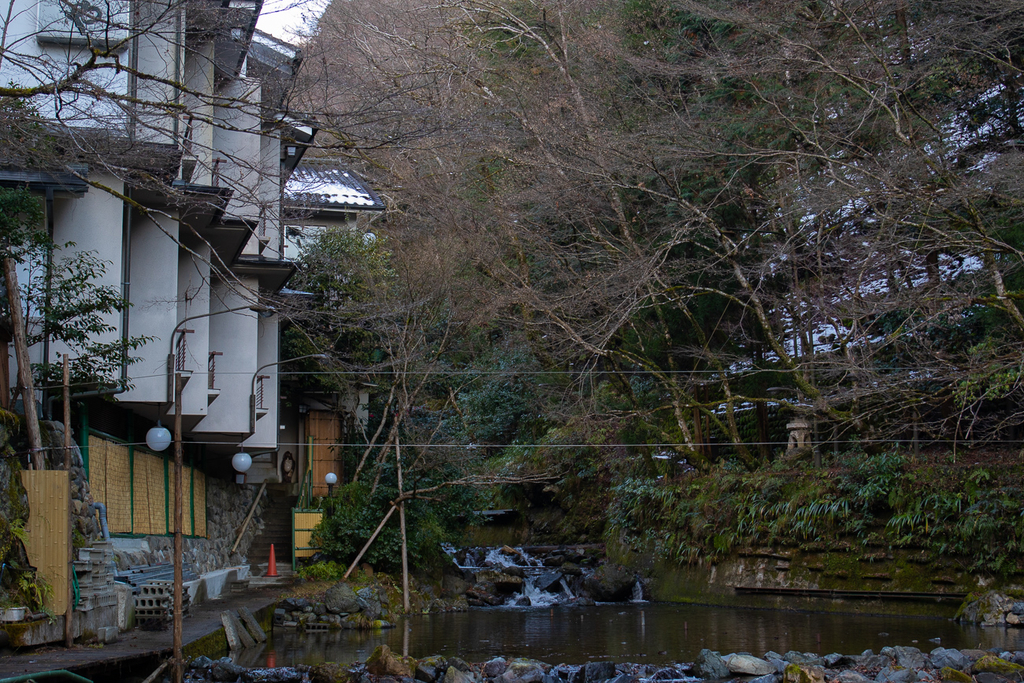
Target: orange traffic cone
272 565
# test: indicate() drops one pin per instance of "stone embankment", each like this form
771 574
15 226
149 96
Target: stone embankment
891 665
343 606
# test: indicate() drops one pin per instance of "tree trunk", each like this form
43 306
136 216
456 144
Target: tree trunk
28 397
401 522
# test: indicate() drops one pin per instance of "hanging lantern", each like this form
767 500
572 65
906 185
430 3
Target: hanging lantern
158 438
241 461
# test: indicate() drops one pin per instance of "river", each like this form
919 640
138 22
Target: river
640 632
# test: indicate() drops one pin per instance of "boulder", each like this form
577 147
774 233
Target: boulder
341 599
997 665
851 676
809 658
748 665
454 585
943 657
330 672
598 671
709 664
988 610
293 604
910 657
951 675
768 678
549 582
610 583
384 662
224 670
495 667
803 673
282 674
502 582
896 674
453 675
373 601
522 670
989 677
428 670
201 662
621 678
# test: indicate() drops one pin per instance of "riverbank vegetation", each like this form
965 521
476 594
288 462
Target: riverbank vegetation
860 503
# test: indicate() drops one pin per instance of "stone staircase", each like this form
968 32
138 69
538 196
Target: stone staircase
277 530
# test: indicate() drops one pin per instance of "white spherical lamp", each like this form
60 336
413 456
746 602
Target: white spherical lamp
158 438
241 461
330 479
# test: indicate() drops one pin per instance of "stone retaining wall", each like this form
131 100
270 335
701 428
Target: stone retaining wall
227 505
858 569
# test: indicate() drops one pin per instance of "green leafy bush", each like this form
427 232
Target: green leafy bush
353 513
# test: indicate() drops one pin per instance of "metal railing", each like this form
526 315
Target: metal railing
211 368
259 391
181 351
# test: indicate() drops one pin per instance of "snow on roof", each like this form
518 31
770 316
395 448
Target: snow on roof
329 187
266 40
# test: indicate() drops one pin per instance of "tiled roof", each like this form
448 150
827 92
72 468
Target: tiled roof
329 187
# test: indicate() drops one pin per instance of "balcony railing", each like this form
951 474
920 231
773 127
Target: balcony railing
211 369
181 351
259 391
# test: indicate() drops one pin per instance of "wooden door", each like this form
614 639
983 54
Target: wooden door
323 431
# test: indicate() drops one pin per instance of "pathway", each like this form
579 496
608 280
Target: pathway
136 644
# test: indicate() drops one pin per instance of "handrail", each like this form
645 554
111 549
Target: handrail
305 491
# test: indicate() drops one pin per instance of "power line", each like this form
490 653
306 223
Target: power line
482 447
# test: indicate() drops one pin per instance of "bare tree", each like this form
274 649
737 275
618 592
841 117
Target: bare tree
726 197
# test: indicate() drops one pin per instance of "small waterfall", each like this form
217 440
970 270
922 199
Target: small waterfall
536 596
536 577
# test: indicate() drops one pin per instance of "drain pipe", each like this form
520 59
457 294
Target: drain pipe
103 519
45 675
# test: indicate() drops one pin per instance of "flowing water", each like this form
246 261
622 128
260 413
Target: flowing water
639 632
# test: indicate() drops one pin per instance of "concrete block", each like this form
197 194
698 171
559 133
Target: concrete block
252 625
238 637
125 607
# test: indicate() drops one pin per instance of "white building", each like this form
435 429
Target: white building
171 121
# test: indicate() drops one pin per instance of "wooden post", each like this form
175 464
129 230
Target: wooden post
401 522
373 538
69 614
28 396
178 598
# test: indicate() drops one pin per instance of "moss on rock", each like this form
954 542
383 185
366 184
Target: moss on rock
330 672
951 675
996 665
800 673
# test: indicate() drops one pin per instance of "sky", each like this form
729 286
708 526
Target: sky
289 19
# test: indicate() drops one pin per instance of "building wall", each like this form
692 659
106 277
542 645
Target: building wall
154 309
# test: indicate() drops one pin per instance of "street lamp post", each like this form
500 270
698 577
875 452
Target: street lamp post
158 435
330 479
255 376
